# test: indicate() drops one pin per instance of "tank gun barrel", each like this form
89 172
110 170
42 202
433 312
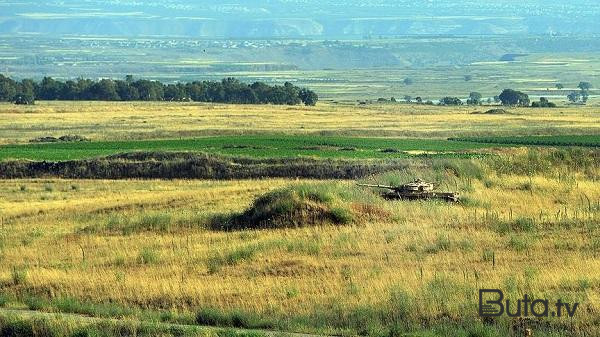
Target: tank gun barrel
378 186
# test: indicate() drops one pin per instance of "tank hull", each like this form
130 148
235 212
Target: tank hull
450 197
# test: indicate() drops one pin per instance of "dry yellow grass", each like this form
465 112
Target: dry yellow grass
436 253
140 120
297 272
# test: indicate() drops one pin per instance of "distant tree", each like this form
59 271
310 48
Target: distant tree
49 89
450 101
175 92
543 103
292 94
70 91
419 99
84 89
8 89
126 91
559 86
262 90
574 97
228 90
104 90
310 98
585 86
497 99
393 99
512 97
585 96
474 98
408 81
489 100
149 90
278 95
408 98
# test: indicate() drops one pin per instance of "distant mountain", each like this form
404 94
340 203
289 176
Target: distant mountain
327 19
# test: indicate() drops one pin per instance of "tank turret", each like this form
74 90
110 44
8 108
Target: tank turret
418 189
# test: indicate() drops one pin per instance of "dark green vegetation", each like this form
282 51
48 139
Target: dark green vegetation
514 98
154 165
575 140
392 319
228 90
239 157
305 205
263 146
47 326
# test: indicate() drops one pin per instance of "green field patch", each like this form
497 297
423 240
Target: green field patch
573 140
262 146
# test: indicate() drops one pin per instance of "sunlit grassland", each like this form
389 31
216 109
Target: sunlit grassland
139 120
62 245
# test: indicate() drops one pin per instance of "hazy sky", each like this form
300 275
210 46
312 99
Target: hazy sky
297 18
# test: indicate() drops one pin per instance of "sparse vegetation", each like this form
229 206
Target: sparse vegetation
279 252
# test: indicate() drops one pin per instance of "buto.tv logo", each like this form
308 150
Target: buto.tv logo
493 304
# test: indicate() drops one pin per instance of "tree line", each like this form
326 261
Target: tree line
508 97
228 90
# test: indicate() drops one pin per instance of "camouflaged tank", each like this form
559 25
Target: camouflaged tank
415 190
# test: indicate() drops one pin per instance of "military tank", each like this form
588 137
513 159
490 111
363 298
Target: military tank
416 190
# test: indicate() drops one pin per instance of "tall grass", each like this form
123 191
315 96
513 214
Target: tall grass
402 268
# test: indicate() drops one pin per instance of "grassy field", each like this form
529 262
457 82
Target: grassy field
139 120
172 251
572 140
281 146
264 146
144 250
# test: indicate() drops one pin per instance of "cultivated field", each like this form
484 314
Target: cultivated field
332 258
139 120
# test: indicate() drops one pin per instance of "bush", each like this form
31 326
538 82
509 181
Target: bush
519 243
303 205
236 319
148 256
19 276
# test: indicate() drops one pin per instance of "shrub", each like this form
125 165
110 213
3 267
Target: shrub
236 256
519 243
303 205
488 255
212 317
521 224
19 276
236 319
148 256
442 243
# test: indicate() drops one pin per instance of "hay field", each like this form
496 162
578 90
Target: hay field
140 120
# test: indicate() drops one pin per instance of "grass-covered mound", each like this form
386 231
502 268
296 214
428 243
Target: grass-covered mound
307 205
